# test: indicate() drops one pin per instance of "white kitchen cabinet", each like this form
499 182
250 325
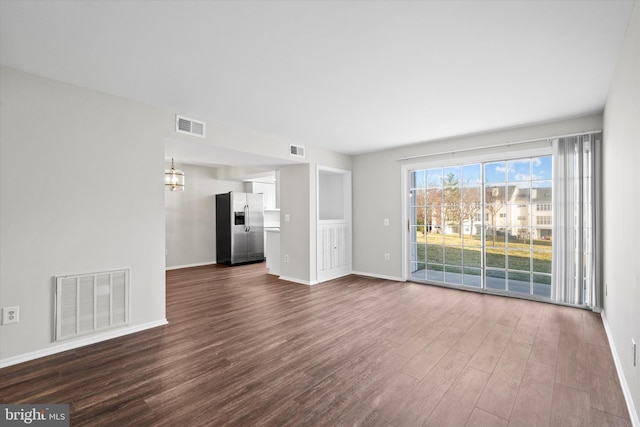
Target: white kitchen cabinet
272 252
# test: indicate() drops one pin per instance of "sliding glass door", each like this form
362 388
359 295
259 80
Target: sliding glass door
484 225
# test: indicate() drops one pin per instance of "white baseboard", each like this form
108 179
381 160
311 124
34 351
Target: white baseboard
633 414
302 282
379 276
71 345
199 264
314 282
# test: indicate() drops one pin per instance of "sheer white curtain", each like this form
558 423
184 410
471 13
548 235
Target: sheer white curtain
577 232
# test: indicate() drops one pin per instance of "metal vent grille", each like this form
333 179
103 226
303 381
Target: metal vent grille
189 126
90 303
296 150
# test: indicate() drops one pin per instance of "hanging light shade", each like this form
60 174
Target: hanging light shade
173 179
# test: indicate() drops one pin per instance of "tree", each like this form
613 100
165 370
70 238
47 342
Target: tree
434 208
494 201
471 205
453 211
420 209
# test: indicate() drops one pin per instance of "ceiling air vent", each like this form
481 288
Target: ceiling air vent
296 150
189 126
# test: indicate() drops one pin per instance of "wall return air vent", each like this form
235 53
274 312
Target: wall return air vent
296 150
91 303
189 126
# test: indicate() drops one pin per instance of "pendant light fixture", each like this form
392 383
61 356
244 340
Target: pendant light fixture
173 179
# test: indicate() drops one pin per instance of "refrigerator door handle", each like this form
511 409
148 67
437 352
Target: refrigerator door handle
247 219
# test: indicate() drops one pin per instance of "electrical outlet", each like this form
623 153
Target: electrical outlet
286 258
387 257
10 315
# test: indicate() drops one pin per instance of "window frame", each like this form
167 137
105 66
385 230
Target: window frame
537 148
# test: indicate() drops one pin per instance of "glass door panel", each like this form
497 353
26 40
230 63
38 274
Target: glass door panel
484 225
453 274
472 257
519 170
453 255
496 279
496 258
519 282
495 172
542 285
435 253
472 277
416 217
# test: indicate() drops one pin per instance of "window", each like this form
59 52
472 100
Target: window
469 225
543 220
523 203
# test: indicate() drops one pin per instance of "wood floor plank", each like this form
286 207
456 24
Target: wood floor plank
532 405
457 404
545 346
499 394
572 366
244 348
605 391
594 329
571 407
525 331
599 418
489 352
418 406
426 359
480 418
502 387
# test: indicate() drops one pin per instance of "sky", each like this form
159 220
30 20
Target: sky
511 171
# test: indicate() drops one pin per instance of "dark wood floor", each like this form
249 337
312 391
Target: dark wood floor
244 348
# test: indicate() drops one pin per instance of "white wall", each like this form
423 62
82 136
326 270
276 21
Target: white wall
191 216
621 189
80 191
225 136
377 189
297 234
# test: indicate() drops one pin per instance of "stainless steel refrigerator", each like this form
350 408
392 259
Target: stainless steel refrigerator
239 228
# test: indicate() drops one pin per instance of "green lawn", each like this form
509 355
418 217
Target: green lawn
466 251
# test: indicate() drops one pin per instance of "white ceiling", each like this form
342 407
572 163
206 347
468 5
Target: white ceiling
349 76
